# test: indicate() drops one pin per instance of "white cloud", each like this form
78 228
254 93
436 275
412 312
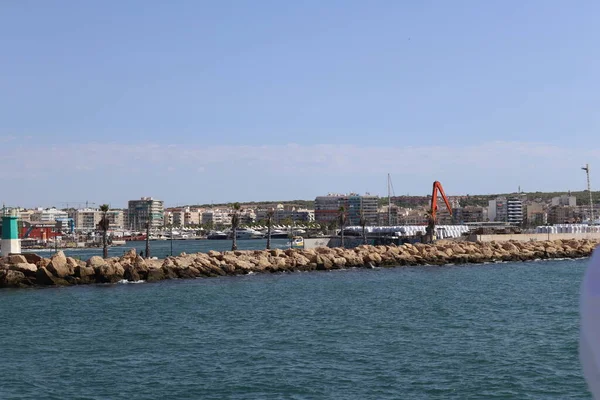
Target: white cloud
295 170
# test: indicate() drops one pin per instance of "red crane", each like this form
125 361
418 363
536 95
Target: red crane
438 190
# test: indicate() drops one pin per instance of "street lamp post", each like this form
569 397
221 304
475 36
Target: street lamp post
148 239
587 172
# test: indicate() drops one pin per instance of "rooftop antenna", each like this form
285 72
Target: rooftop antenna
587 172
390 191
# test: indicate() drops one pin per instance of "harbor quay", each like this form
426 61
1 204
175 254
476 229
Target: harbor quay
31 270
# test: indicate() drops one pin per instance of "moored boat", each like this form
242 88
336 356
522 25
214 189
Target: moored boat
216 235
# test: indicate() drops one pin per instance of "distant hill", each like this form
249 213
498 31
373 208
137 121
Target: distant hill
308 204
582 197
423 201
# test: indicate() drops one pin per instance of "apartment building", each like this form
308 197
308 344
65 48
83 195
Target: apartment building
47 215
283 214
216 217
143 211
535 214
504 209
87 219
564 200
468 214
562 214
514 210
327 208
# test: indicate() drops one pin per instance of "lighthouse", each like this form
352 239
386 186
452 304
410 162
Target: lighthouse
10 233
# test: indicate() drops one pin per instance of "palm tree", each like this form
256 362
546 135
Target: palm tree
270 214
363 223
430 230
104 225
342 221
148 239
235 222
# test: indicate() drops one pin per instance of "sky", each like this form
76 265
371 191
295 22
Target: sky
195 101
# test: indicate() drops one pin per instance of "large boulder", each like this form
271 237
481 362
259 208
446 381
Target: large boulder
107 274
215 254
168 273
324 262
169 262
58 265
243 266
216 270
25 268
339 262
262 263
46 278
300 260
119 269
72 263
509 246
187 272
229 269
141 264
96 261
11 278
84 273
32 258
276 252
184 261
131 274
372 258
17 259
155 274
131 254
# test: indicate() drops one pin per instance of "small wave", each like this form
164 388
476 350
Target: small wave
125 281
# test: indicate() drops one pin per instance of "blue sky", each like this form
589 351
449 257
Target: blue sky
197 101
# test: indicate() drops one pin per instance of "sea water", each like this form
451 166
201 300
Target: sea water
494 331
165 248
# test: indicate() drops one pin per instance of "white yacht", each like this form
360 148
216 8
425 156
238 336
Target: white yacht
280 234
216 235
247 233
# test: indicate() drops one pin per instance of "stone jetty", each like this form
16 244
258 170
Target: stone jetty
27 270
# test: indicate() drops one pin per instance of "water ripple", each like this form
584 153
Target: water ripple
491 331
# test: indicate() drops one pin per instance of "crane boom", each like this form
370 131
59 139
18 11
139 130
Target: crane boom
437 187
438 190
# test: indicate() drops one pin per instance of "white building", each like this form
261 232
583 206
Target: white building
564 200
514 211
87 219
216 217
48 215
283 214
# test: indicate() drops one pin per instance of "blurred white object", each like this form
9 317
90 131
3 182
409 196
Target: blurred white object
589 340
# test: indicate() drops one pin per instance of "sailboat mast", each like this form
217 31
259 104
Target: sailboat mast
389 203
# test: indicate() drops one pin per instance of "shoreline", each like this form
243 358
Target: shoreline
32 270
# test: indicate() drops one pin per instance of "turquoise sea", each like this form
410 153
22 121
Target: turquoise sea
494 331
162 248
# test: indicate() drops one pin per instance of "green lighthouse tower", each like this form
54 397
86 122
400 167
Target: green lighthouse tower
10 233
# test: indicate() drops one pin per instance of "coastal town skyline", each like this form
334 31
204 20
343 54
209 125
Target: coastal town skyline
93 203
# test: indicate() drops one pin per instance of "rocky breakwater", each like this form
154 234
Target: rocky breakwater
28 270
